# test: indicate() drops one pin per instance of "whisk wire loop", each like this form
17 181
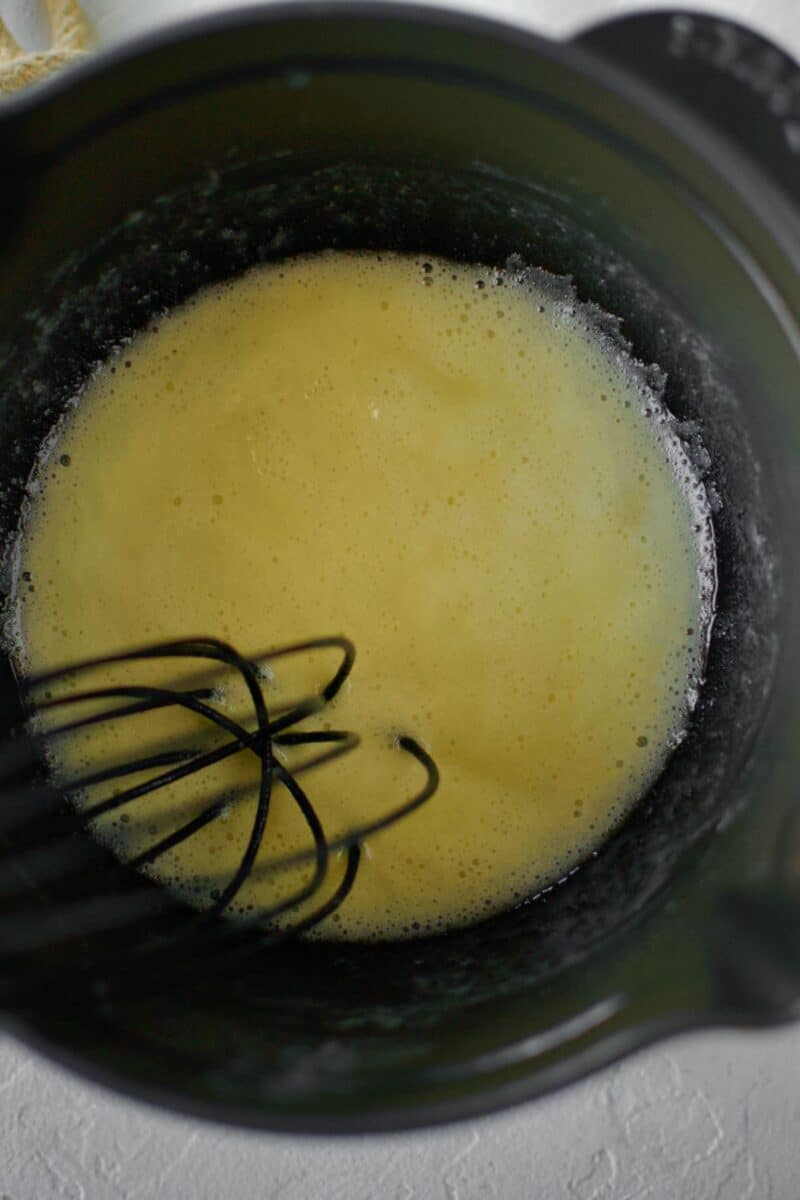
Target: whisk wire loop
47 823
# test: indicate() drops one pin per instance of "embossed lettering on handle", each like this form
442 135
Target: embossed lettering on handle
734 80
772 77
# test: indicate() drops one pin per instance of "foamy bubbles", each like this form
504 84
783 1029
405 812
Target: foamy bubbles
463 469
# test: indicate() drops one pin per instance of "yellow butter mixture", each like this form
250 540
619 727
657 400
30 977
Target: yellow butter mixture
454 466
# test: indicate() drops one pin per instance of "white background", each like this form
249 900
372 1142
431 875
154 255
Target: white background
707 1117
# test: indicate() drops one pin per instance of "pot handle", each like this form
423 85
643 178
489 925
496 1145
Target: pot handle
741 84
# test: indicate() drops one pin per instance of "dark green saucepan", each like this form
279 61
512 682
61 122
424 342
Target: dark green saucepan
654 162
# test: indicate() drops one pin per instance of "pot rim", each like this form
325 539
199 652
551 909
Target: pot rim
776 215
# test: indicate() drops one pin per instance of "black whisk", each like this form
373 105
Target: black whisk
65 893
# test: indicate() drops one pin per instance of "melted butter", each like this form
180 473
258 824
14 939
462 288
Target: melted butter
449 465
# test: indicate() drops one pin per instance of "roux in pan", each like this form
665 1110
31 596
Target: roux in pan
457 468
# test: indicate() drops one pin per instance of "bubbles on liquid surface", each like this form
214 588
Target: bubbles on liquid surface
521 507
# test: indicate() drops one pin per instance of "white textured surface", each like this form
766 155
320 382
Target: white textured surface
708 1117
712 1118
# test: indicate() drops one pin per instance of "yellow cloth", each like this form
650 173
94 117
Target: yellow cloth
70 36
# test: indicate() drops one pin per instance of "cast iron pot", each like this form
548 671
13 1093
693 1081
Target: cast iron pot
671 200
